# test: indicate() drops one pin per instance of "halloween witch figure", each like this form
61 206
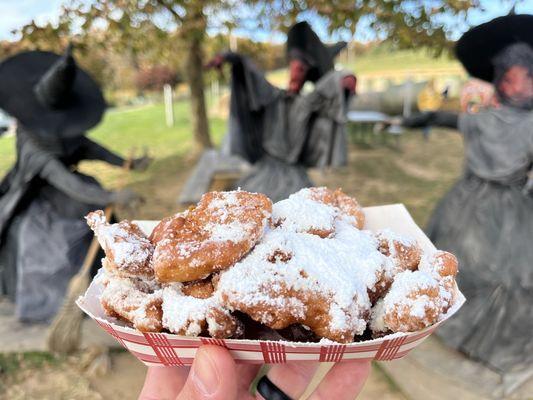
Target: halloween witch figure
487 217
284 132
43 237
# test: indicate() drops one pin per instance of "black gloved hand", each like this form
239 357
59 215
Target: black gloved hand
125 197
142 163
418 120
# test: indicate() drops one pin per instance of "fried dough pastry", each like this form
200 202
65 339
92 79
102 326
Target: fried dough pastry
413 302
315 211
443 266
134 301
191 316
440 264
346 205
218 232
404 253
300 278
167 228
128 251
217 269
200 289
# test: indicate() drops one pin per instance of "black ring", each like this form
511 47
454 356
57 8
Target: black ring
269 391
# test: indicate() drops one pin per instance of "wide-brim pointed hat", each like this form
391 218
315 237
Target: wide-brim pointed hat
477 48
303 43
49 94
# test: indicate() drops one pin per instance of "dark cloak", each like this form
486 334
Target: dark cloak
282 134
43 237
486 220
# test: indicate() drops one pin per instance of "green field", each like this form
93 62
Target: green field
134 129
382 59
378 174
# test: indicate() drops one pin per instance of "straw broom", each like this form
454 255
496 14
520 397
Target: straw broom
64 334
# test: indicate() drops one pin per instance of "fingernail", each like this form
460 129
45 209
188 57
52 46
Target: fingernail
205 373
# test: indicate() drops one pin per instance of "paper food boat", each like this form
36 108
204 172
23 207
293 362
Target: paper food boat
167 349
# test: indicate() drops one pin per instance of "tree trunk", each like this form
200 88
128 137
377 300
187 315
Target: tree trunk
193 32
195 78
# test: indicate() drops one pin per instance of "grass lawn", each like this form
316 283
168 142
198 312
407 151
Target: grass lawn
128 129
418 175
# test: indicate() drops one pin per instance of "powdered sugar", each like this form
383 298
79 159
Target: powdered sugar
302 215
377 323
234 231
127 249
187 315
130 302
405 291
340 269
392 237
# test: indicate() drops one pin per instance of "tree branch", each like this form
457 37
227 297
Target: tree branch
171 10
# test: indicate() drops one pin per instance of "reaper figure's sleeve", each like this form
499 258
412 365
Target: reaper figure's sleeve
317 121
443 119
55 173
93 151
251 93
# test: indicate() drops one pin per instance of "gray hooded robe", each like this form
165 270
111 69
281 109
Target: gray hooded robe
43 237
281 134
486 220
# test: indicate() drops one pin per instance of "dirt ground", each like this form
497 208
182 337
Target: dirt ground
417 174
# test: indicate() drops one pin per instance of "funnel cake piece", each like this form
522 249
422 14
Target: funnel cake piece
218 232
191 316
403 251
168 227
413 302
443 266
135 301
315 210
128 251
300 278
346 205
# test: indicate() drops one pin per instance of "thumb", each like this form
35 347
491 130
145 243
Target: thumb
213 376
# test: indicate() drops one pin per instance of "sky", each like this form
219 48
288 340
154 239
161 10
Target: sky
18 12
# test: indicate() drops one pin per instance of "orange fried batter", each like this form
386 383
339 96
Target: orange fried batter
128 250
211 237
133 302
338 199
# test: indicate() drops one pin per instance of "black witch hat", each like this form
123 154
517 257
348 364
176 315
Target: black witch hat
477 48
49 94
303 43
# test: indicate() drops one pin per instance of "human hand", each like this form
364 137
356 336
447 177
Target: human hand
349 83
216 62
214 375
141 163
125 197
417 120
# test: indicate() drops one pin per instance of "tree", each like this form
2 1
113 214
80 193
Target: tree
141 27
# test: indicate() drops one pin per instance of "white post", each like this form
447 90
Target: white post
408 97
232 42
169 105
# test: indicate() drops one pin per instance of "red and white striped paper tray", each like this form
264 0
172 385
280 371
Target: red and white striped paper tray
165 349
